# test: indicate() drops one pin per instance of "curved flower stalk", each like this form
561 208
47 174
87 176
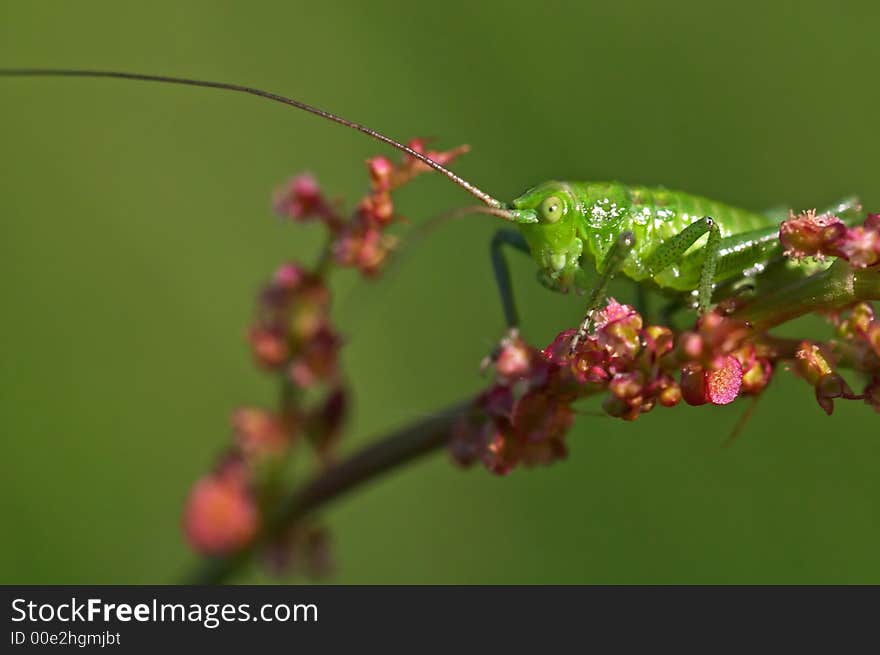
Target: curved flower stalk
247 504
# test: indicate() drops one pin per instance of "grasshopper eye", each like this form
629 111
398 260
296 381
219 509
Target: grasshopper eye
552 209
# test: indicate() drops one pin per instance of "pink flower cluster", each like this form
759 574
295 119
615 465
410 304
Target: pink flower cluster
811 235
524 416
292 332
857 346
293 338
360 242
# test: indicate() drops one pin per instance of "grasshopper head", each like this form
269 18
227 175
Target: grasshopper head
553 237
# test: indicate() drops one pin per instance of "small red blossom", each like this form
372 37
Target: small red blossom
813 365
513 359
309 313
376 210
817 369
693 384
691 345
861 246
757 371
855 322
441 157
538 416
381 170
721 335
811 235
363 246
269 346
519 422
724 380
617 328
289 276
220 515
659 340
301 200
670 393
259 431
317 360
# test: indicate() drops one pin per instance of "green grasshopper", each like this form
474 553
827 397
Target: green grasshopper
653 236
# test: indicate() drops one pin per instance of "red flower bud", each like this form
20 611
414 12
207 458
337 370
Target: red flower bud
377 208
807 234
498 452
690 345
513 359
381 170
693 385
364 247
660 340
259 431
308 314
289 276
627 385
269 346
539 417
299 199
417 144
558 350
756 378
317 359
861 246
220 515
670 396
812 364
723 381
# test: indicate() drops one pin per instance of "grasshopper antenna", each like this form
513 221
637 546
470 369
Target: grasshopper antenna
497 207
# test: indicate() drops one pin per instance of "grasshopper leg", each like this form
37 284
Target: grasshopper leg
672 252
707 275
610 267
500 267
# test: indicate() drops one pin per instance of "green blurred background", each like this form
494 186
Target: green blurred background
136 228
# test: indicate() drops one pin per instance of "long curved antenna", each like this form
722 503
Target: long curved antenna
479 194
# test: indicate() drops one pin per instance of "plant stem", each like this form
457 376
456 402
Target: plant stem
400 447
837 286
